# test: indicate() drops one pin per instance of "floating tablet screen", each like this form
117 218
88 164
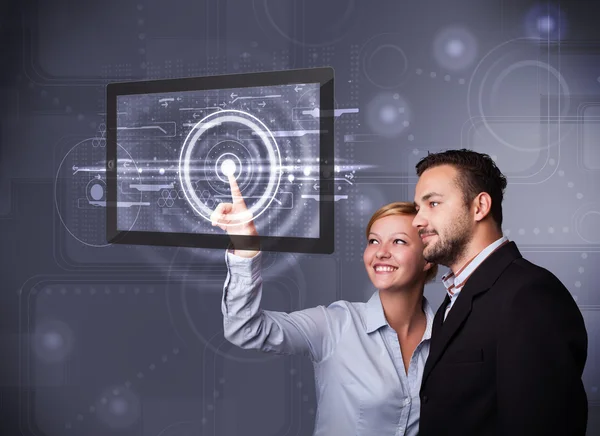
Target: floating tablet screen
173 149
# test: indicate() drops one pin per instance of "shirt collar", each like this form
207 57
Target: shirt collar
454 283
375 318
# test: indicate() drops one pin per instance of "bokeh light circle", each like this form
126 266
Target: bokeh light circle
52 341
546 23
388 114
118 407
455 48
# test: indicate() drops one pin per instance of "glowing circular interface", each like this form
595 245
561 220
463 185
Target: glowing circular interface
229 163
229 142
228 167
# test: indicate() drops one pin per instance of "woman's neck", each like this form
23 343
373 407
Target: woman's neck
403 309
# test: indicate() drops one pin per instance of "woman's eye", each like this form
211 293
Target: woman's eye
400 241
373 241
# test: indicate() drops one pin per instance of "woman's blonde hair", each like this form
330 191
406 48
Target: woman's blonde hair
400 208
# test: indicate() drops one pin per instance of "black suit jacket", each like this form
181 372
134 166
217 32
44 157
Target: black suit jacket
509 357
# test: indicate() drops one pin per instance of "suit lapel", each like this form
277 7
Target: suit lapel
480 281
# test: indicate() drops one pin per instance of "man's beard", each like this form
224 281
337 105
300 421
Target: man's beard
449 250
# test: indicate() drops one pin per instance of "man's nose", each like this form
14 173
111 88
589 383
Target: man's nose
419 221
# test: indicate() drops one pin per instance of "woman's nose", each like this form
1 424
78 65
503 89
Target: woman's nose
382 251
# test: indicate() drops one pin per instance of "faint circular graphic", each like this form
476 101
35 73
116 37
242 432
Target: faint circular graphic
118 407
215 138
368 200
80 191
96 190
546 22
309 100
388 114
229 154
586 221
184 428
511 83
322 25
194 293
52 341
455 48
355 213
384 63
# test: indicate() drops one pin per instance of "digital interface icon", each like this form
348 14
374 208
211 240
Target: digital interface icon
80 191
254 163
187 136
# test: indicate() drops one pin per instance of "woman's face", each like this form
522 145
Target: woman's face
394 254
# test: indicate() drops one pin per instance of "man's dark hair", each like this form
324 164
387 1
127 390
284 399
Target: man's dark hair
477 173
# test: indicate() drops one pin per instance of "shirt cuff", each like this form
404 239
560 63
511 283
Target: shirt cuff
244 266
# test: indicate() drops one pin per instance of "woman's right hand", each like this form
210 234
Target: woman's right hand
235 218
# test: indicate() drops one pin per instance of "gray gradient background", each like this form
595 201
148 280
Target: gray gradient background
146 354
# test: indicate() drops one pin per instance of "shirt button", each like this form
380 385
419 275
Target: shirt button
407 402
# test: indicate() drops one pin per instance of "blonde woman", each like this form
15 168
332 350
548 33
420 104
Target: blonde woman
368 357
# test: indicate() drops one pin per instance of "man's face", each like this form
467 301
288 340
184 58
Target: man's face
444 221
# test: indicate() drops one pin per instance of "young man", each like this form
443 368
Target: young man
509 344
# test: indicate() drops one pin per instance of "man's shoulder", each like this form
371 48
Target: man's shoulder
525 279
527 273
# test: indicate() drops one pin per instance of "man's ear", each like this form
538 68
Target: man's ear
427 266
483 205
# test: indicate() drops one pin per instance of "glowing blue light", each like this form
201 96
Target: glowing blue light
546 24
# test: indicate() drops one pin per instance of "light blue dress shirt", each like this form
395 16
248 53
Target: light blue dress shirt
455 283
361 385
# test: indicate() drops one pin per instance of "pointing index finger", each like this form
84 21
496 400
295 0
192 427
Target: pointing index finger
236 194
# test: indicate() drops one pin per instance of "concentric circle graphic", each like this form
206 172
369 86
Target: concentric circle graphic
228 164
191 294
223 153
241 141
511 83
586 221
310 100
80 191
384 63
183 428
96 190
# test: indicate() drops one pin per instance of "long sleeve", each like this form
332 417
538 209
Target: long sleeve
308 332
541 354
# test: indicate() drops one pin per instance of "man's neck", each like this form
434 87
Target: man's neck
476 246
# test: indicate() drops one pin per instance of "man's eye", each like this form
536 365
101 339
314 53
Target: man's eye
433 203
